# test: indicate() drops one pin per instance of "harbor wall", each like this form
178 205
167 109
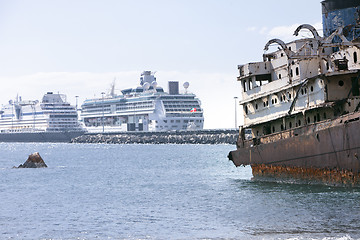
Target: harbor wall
220 136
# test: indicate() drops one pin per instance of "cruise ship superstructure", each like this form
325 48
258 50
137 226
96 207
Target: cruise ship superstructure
301 102
144 108
51 120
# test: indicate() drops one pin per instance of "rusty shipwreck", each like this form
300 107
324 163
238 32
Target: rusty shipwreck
301 103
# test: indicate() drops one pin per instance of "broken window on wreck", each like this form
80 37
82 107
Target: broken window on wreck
355 57
244 85
248 134
247 84
250 84
263 79
341 64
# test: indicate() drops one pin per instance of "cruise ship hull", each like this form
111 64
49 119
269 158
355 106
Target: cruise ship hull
146 108
40 136
326 151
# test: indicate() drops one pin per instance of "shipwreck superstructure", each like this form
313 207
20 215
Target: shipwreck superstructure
301 102
144 108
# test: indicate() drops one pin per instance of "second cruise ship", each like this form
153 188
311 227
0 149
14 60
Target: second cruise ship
51 120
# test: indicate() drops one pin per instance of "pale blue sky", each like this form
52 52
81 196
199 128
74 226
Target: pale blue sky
77 47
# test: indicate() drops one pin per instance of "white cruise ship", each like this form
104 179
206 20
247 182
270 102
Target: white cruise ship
144 108
51 120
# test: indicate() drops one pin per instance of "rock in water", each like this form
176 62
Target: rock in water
34 161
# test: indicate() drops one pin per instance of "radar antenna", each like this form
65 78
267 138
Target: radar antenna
186 86
154 85
146 86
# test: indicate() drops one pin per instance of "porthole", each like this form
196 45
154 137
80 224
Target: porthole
341 83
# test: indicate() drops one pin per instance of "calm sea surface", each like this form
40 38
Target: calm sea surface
98 191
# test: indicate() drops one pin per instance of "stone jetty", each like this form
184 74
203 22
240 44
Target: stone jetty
34 161
172 137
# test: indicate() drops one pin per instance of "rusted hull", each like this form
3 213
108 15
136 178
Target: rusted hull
333 145
314 175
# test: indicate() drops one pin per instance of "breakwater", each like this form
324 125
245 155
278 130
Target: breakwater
174 137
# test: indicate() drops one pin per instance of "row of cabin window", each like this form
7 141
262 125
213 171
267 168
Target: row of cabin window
291 72
355 58
316 118
282 99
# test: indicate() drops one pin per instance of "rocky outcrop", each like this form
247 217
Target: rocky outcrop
34 161
176 137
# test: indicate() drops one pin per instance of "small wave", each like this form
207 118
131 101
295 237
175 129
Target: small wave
346 237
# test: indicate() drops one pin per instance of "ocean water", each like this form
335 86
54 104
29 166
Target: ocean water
99 191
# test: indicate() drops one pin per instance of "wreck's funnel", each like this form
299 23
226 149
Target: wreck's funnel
341 13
